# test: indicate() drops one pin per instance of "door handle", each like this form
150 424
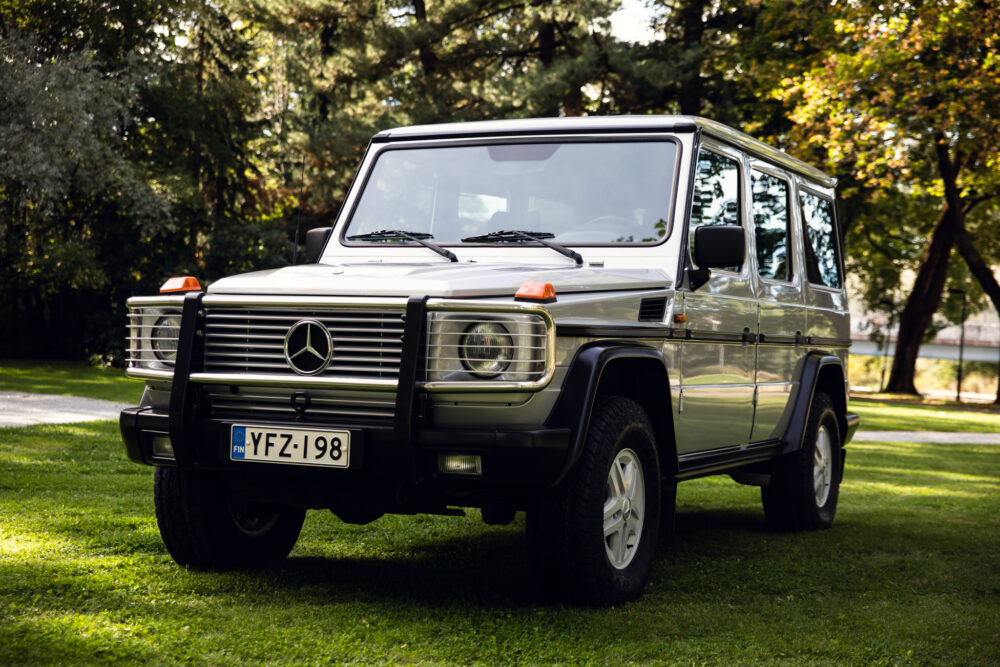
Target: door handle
748 338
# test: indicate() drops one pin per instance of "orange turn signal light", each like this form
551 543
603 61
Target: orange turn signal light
533 290
680 319
181 284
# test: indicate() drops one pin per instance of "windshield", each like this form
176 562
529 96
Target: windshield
581 193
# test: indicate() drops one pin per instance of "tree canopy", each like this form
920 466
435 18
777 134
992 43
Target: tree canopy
144 139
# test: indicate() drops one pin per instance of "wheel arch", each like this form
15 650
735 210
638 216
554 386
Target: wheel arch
626 369
820 373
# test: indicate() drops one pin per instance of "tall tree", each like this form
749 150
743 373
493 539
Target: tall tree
909 100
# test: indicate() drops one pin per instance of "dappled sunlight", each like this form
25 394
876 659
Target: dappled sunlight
900 489
936 474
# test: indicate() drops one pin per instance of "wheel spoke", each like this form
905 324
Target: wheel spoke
612 506
620 551
612 526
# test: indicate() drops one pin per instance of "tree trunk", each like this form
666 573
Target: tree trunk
985 276
925 297
692 88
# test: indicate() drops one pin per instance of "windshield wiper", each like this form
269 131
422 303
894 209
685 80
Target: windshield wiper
417 237
519 236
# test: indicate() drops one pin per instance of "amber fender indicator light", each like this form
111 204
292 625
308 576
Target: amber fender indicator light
181 284
535 291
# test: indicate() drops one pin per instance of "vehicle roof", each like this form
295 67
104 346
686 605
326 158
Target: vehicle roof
605 124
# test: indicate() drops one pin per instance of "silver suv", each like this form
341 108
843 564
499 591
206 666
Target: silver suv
561 316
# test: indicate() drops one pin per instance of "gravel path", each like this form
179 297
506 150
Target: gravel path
22 409
944 437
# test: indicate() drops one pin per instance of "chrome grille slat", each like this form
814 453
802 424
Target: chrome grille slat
366 343
378 407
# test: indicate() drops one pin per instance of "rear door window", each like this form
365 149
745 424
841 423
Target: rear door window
772 226
820 236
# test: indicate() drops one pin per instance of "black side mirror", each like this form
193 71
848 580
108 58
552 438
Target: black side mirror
315 242
719 246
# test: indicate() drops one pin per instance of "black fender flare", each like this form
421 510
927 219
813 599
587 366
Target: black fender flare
812 368
575 404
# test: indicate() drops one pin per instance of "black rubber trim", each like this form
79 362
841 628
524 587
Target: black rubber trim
414 333
699 463
682 265
829 342
576 400
128 423
779 339
853 421
626 331
811 367
183 393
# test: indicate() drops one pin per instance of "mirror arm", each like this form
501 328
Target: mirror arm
697 277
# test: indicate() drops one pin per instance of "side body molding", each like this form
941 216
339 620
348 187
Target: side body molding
580 389
821 372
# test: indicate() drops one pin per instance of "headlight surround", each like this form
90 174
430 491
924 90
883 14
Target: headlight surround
505 349
153 334
164 336
486 349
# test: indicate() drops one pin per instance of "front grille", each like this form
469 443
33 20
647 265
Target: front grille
263 403
366 343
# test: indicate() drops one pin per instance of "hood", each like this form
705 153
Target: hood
461 280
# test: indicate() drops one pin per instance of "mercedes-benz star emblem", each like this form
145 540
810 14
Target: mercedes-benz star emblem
308 347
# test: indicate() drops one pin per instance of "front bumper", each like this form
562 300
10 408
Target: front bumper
514 462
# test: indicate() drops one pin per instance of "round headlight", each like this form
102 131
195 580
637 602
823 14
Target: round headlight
486 349
166 331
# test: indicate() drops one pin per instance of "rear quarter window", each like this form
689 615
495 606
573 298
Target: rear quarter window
820 236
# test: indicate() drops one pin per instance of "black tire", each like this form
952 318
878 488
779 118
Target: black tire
203 528
571 552
794 500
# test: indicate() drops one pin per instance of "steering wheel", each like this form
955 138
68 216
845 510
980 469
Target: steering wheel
616 223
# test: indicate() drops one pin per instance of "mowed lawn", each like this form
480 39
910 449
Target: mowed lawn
909 574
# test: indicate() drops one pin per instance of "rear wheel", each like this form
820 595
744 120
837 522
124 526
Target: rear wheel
805 485
203 526
594 541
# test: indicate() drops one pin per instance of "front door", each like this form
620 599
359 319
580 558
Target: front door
715 406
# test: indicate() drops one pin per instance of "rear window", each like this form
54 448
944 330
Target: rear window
822 249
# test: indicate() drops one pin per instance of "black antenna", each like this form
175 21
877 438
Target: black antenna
298 210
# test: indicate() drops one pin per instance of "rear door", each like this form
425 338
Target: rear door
782 310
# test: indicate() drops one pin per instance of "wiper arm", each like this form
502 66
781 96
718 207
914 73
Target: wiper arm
517 236
417 237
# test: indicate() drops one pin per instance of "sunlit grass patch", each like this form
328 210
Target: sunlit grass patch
909 573
882 415
68 379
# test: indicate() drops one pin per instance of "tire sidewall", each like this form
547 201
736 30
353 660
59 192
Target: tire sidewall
823 514
628 428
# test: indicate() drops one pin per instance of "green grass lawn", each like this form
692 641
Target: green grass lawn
891 415
910 573
69 379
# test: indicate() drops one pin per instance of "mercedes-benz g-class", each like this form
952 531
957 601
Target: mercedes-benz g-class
561 316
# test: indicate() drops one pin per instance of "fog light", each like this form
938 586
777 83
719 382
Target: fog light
460 464
162 447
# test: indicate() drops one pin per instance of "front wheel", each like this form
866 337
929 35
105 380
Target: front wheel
594 541
203 526
805 485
